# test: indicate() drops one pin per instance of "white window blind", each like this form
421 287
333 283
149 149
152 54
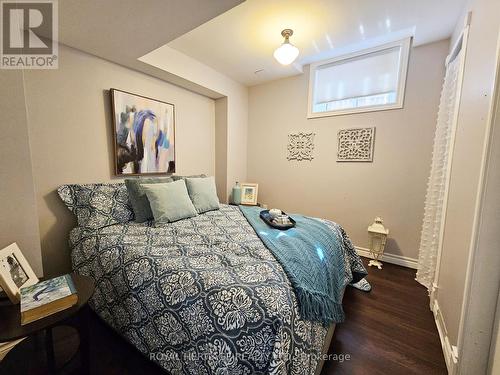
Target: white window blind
359 76
371 79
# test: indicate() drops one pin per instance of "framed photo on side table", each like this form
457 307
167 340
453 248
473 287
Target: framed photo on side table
15 272
249 193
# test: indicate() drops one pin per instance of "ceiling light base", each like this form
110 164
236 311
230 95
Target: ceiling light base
287 52
287 33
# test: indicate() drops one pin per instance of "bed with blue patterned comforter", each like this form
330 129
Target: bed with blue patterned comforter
202 295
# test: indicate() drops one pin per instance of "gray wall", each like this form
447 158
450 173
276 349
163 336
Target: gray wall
69 114
221 148
18 219
352 194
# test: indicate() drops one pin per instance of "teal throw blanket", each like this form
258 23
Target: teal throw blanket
313 260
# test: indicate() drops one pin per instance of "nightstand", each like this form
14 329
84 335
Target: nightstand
76 316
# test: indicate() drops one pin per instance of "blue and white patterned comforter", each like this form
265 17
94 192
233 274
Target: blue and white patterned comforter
202 295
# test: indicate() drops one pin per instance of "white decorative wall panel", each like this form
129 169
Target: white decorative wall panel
355 144
300 146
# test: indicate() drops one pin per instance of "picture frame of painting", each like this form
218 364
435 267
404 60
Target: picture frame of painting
249 193
143 135
15 272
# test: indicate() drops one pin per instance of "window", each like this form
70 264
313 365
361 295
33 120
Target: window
370 80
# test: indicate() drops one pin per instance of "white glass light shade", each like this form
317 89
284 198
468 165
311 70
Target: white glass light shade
286 53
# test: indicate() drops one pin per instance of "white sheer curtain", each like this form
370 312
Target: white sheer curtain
436 187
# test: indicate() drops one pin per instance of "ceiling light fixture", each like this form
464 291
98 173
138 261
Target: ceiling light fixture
287 52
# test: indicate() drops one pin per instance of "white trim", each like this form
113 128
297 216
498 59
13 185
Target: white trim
449 351
432 295
475 279
390 258
404 44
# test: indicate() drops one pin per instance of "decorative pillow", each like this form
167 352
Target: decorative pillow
138 199
170 201
177 178
203 194
97 205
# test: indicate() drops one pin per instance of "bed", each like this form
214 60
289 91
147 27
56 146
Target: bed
200 295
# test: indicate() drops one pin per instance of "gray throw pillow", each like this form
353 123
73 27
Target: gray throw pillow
138 199
203 193
170 201
177 178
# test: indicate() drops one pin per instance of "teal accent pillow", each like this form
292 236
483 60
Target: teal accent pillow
138 199
170 201
203 194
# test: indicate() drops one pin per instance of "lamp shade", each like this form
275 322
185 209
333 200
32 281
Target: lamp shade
286 53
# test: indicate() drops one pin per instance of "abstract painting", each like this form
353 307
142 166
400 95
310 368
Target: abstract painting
356 144
144 134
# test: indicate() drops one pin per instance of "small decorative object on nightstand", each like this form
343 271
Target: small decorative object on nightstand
15 272
236 194
249 193
378 236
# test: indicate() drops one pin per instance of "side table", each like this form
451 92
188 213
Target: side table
76 316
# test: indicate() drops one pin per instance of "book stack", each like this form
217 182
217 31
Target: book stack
5 347
46 298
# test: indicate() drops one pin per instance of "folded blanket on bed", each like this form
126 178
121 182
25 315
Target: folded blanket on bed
312 258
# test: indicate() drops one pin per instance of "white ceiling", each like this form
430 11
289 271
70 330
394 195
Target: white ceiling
124 30
131 27
241 41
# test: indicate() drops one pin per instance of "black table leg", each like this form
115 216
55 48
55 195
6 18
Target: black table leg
83 331
49 348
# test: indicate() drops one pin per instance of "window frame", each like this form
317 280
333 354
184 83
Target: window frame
404 45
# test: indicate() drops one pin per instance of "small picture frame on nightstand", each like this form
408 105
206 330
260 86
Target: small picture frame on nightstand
15 272
249 194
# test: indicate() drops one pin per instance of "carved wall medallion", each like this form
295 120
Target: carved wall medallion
300 146
356 144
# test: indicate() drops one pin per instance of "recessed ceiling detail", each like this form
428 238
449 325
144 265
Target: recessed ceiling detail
242 40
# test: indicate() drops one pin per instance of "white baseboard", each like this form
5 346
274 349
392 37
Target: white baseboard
450 351
432 295
390 258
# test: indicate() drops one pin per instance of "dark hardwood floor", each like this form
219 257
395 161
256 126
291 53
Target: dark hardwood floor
387 331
